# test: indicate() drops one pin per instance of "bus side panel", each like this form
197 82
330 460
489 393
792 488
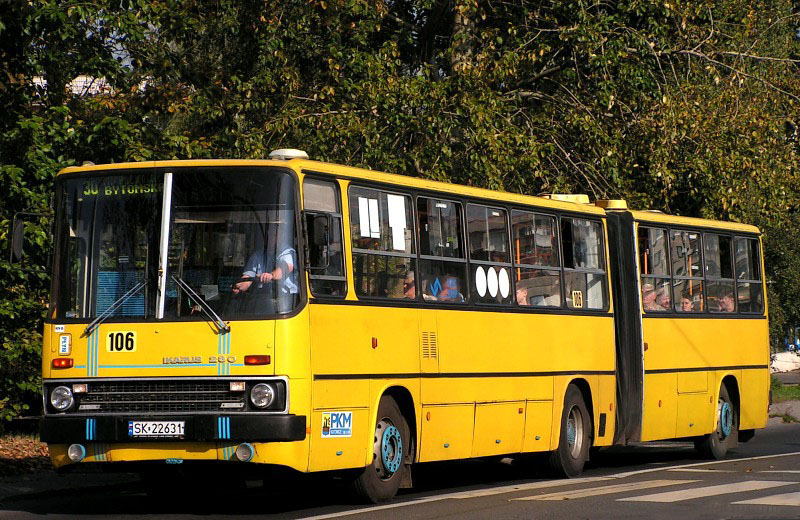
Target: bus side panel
695 414
450 390
511 343
660 406
446 432
754 395
351 345
605 404
503 344
363 340
695 411
342 449
498 428
538 416
676 348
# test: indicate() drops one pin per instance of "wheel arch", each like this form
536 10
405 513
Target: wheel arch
585 389
731 384
405 401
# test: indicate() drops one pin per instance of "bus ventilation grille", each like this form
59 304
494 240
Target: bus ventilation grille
430 347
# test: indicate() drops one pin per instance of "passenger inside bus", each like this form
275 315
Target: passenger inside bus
649 298
663 299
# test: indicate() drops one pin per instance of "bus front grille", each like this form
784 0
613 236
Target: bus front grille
161 396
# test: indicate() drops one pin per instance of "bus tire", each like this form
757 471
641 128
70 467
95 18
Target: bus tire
715 445
575 439
380 480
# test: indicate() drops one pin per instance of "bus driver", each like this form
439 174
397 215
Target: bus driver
263 268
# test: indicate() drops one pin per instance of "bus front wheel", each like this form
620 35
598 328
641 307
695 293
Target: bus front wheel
573 446
391 443
715 445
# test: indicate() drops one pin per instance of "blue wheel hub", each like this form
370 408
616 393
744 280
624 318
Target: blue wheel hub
391 449
725 418
571 433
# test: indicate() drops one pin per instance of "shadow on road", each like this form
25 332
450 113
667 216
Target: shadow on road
296 495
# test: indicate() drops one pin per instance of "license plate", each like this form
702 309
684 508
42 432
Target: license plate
156 428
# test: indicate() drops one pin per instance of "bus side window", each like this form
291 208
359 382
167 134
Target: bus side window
537 271
584 268
381 227
749 287
323 220
490 261
443 264
717 256
687 275
654 270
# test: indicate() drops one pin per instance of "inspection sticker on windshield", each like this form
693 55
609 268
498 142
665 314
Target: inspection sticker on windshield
121 341
337 424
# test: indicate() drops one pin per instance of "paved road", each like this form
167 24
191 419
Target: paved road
760 480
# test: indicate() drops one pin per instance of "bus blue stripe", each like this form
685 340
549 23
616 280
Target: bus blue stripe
89 355
219 351
95 352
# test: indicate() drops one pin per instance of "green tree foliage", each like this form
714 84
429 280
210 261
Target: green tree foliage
686 107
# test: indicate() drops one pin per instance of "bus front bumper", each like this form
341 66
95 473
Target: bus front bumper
115 428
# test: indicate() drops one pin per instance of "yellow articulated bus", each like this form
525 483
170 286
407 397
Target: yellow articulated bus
318 317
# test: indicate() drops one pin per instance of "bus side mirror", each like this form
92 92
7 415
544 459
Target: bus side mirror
16 244
17 239
321 237
318 240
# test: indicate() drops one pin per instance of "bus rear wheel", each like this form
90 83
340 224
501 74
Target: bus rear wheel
391 443
715 445
575 439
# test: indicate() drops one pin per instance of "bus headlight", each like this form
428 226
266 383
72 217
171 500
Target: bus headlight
61 398
262 395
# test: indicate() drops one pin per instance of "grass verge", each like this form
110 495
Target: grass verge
781 392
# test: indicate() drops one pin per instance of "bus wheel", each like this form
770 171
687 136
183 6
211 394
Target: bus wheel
381 479
573 446
716 444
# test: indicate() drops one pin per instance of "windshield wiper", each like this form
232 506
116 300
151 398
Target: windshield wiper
212 316
113 307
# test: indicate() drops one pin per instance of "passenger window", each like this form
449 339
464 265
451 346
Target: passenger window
718 261
381 226
687 284
488 235
537 269
654 269
323 220
688 295
749 286
490 263
584 269
685 254
443 266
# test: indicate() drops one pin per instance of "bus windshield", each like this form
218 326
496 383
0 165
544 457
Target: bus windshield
232 241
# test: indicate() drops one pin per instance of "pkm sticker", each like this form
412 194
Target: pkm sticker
65 345
337 424
60 328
